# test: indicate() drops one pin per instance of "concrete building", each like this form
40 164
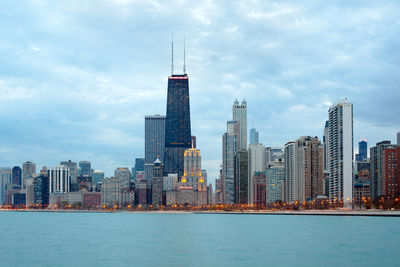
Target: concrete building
391 172
154 142
59 179
239 113
376 167
257 163
275 180
28 172
241 177
290 163
259 188
157 184
73 168
5 179
273 153
91 200
341 152
309 176
124 174
84 168
230 145
170 187
111 192
16 176
254 137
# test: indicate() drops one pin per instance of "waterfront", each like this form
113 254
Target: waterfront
135 239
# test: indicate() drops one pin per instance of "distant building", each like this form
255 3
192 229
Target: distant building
98 176
170 186
59 179
254 137
210 195
290 165
194 141
111 192
73 168
28 172
154 142
241 177
41 190
157 184
362 188
259 187
124 174
239 113
16 175
362 151
398 138
325 142
391 172
230 145
91 200
272 154
5 179
376 167
141 189
257 163
275 179
139 167
363 165
85 168
341 152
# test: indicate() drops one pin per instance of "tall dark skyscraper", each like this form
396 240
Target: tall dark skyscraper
177 124
16 175
362 151
153 142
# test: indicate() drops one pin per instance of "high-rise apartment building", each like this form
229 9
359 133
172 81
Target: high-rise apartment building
28 172
98 176
177 124
241 177
391 172
73 167
59 179
272 154
259 187
239 113
275 180
254 137
41 190
5 179
341 152
257 163
290 163
111 191
154 142
230 145
157 184
85 168
376 167
16 175
123 174
309 177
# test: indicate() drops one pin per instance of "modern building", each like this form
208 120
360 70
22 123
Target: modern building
139 167
98 176
241 177
28 172
290 163
376 167
41 191
275 180
362 150
154 142
325 142
73 167
259 188
230 145
124 174
177 124
157 184
257 163
141 188
111 192
16 175
5 179
272 154
391 172
239 113
362 188
59 179
341 152
309 175
254 136
85 168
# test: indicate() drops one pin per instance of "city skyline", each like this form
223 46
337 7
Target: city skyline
104 96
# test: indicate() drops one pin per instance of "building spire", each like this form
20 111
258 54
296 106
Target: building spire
172 54
184 55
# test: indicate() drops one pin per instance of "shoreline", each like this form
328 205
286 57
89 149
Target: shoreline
371 213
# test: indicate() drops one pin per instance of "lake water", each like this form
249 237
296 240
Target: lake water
137 239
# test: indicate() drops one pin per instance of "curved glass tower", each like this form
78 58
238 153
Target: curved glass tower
177 124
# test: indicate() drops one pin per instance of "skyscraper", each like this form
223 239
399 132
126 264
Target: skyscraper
41 190
391 172
154 142
73 169
157 184
5 179
98 176
123 174
16 175
341 152
177 124
253 136
85 168
275 179
325 142
362 151
290 163
28 172
59 179
241 177
230 145
256 164
239 113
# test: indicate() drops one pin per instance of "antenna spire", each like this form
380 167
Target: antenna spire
184 55
172 54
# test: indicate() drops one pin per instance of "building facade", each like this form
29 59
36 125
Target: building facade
254 136
5 179
73 168
230 145
257 163
16 175
59 179
241 177
28 172
154 142
239 113
290 163
157 184
391 172
124 174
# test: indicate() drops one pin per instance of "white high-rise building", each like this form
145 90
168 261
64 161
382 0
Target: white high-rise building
59 179
341 152
239 113
256 164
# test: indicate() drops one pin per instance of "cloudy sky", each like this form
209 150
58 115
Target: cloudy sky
78 77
